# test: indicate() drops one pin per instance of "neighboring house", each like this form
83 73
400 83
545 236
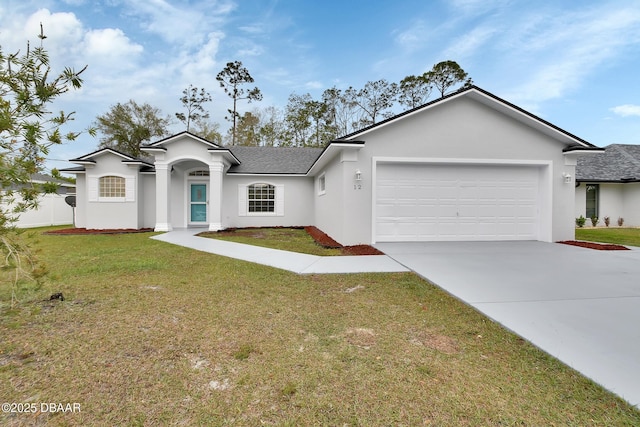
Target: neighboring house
469 166
609 185
52 208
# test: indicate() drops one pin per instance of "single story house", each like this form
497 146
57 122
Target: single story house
468 166
609 185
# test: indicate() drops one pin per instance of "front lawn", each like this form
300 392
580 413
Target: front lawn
620 236
287 239
155 334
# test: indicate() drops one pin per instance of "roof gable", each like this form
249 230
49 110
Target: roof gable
491 101
179 136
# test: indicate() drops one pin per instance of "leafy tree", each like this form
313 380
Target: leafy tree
208 130
343 114
230 79
272 127
447 74
415 90
27 131
126 126
192 100
374 100
248 132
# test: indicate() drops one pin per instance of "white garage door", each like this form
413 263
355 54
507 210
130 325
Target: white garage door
429 202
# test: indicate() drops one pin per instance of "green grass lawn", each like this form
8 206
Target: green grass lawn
621 236
156 334
288 239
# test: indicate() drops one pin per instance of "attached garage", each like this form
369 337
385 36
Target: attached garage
442 201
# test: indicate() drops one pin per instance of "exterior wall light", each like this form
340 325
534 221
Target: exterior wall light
358 175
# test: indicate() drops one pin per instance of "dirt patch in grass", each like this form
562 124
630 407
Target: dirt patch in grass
596 246
79 231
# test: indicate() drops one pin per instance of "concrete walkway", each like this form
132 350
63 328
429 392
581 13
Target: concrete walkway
291 261
579 305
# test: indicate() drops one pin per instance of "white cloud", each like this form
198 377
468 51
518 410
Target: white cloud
110 46
627 110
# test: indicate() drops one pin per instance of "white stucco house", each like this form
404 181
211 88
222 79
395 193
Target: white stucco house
609 185
469 166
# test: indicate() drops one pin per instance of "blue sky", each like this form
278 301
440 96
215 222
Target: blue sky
573 63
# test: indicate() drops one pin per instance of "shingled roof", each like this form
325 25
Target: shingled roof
618 163
274 160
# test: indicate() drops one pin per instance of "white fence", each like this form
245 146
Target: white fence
52 210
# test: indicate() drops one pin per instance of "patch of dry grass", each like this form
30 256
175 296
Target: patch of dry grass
154 334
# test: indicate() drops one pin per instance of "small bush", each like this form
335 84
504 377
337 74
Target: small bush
580 221
620 221
607 221
594 220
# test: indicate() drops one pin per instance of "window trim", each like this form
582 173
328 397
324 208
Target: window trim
322 184
243 199
93 189
270 188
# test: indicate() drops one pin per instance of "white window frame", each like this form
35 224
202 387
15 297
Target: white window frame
322 184
93 187
243 199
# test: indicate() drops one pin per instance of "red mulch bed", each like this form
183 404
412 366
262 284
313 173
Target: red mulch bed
324 240
597 246
76 231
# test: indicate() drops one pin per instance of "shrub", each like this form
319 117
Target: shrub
607 220
594 220
620 221
580 221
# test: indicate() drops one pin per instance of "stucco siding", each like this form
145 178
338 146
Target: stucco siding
148 201
631 195
296 192
330 207
104 214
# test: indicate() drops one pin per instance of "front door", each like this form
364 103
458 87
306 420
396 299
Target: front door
198 203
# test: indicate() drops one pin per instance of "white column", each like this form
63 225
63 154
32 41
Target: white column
216 170
163 186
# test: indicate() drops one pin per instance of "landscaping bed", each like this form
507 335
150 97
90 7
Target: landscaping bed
77 231
597 246
326 241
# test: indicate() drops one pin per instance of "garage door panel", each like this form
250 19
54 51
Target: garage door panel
456 202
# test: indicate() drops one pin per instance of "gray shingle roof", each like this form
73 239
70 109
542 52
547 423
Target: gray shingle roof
619 162
274 160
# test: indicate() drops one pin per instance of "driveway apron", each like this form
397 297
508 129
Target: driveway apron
580 305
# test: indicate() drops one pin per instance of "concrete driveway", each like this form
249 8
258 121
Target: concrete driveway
579 305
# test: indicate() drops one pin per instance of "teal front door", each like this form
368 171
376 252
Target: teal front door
198 203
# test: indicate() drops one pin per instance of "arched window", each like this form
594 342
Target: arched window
261 198
112 186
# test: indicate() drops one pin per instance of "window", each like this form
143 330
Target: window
593 191
261 198
322 185
199 173
112 186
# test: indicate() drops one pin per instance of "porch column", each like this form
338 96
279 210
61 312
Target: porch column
215 195
163 185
